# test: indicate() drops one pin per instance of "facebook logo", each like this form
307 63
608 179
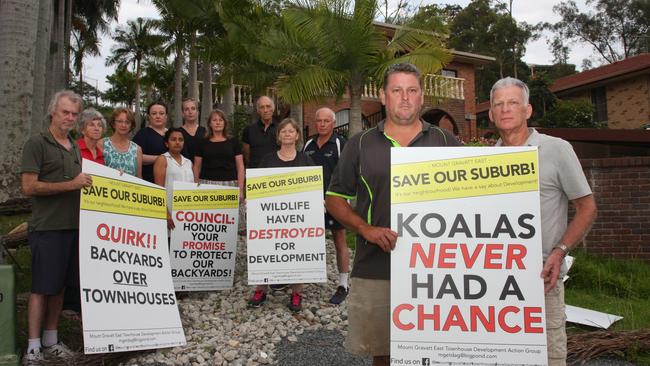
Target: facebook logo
426 362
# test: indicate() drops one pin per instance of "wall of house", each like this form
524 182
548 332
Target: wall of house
456 108
621 188
628 103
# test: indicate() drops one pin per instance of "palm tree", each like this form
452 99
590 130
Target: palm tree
134 43
89 19
330 47
84 43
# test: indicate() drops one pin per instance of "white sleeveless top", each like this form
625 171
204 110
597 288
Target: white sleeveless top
176 173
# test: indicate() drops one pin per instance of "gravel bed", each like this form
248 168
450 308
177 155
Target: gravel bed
221 330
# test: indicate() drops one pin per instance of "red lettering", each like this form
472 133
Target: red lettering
530 319
447 251
502 319
454 319
487 322
515 253
492 253
418 252
435 316
470 260
396 320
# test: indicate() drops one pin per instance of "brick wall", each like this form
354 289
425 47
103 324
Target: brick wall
628 103
621 188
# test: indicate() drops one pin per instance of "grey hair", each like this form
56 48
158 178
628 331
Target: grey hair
257 102
329 110
402 67
54 102
88 115
510 81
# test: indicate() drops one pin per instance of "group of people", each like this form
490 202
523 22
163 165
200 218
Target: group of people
357 169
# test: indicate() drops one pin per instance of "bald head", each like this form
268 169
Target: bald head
324 120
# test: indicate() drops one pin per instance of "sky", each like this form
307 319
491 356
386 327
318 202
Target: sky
532 12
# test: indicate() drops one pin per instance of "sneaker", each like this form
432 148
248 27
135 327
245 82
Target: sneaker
33 357
58 350
296 302
278 287
257 300
339 296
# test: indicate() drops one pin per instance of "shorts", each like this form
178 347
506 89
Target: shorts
55 260
556 338
331 223
369 317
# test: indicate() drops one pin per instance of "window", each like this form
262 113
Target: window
342 117
449 73
599 101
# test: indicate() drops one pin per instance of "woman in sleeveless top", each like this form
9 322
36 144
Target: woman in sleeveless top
119 152
172 167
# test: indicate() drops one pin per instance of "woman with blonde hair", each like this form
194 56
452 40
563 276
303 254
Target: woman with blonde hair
119 151
288 137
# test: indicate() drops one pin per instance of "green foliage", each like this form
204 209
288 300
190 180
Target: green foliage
569 114
615 29
488 29
122 87
238 120
541 98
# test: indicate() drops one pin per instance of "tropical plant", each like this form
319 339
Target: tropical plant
133 44
332 47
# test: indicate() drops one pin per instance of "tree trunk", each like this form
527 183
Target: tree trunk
67 34
356 125
206 94
56 76
138 117
296 114
228 103
192 88
44 33
18 30
178 90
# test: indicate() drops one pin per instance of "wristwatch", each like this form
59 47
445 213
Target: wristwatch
563 247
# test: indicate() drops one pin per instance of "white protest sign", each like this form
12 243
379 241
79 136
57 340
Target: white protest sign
127 295
204 241
465 272
285 224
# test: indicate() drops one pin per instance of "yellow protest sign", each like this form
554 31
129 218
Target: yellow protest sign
464 177
279 184
117 196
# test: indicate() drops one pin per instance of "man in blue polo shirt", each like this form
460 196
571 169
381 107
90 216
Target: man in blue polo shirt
325 149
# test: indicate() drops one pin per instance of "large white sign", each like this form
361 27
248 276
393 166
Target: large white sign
204 240
127 295
285 223
465 273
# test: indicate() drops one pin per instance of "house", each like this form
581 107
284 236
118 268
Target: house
619 92
449 100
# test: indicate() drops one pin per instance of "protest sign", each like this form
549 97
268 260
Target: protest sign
204 241
285 224
465 272
127 295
